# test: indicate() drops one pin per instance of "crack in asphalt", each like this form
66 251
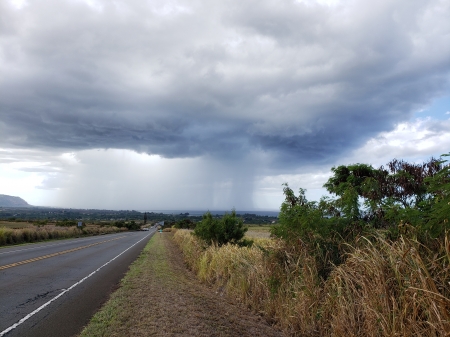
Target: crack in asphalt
38 297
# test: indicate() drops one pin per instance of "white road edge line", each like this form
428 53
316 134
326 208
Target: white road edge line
4 332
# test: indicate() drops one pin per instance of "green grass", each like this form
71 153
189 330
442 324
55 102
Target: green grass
115 313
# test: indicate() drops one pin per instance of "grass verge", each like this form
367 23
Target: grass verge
159 296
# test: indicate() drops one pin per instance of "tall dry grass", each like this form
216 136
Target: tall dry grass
384 288
10 236
390 289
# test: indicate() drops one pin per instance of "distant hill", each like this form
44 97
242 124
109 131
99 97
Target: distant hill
10 201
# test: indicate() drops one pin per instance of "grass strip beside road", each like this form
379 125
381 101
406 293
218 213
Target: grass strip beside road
159 296
109 320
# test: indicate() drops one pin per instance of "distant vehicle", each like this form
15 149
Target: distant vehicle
145 229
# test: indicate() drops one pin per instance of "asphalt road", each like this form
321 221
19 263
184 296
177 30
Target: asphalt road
54 288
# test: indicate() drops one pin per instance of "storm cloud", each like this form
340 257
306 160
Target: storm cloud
292 83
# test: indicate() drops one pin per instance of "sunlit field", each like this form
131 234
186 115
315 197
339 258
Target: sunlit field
258 232
15 225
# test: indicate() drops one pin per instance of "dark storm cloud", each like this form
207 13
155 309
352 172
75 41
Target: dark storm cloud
298 82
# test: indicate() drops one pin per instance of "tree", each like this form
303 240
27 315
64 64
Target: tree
132 225
439 188
228 229
406 183
383 197
306 224
298 216
185 223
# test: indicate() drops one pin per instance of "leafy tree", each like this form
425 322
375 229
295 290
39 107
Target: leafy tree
185 223
439 188
406 183
382 197
298 216
307 224
349 184
398 197
228 229
132 225
119 223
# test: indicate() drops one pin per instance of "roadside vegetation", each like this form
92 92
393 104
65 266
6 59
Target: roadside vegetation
372 260
160 297
13 235
228 229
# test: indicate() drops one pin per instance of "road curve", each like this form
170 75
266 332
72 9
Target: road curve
54 288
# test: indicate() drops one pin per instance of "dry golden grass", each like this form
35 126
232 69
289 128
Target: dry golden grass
258 232
9 236
15 225
383 289
390 289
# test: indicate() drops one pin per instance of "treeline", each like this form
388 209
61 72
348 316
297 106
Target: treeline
24 214
58 214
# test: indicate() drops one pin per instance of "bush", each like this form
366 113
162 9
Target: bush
132 225
184 224
228 229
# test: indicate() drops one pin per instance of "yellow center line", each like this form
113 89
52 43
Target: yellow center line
6 266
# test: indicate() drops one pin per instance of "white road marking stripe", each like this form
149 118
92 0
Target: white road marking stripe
4 332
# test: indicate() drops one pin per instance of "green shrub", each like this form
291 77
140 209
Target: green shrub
228 229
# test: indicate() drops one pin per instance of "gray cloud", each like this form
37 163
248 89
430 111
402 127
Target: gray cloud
299 82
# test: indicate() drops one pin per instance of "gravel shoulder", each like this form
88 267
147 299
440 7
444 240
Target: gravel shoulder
160 297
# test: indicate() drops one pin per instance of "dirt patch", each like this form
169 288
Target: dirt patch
161 297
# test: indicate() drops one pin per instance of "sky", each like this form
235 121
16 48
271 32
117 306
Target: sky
195 104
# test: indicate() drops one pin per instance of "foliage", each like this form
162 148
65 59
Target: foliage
401 192
62 223
133 225
439 211
229 229
119 224
307 225
373 259
185 224
402 198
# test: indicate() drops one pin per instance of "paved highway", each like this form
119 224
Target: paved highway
54 288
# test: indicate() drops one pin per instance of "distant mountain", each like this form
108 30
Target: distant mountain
10 201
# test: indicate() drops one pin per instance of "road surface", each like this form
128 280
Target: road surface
54 288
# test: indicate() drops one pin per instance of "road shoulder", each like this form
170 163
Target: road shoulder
160 297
